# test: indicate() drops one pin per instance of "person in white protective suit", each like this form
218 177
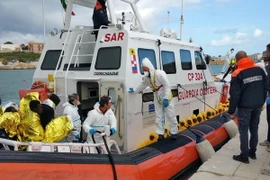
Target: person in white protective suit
227 61
157 80
71 110
97 118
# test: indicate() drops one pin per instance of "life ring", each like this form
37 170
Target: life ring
39 84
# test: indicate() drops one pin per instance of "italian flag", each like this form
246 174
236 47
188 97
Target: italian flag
64 5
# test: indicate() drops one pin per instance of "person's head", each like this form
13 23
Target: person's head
11 109
35 106
232 50
103 2
268 51
105 103
74 99
55 99
240 55
147 66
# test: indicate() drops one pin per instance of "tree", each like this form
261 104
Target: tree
8 42
5 62
24 47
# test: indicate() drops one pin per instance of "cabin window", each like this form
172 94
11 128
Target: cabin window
147 53
108 58
148 97
186 61
51 59
78 67
112 94
199 61
168 62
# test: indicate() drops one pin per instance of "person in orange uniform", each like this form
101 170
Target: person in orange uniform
100 17
247 93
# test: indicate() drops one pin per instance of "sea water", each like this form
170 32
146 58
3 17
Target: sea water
11 81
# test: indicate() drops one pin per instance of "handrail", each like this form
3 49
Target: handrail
61 56
119 99
80 43
58 62
81 35
83 43
39 145
70 59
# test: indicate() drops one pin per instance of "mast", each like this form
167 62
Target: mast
136 13
168 20
68 15
111 11
182 20
43 19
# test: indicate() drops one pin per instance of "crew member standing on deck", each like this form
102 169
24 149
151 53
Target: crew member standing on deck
248 93
267 68
227 61
71 110
97 118
159 83
100 17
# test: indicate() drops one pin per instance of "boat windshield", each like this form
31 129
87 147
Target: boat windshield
108 58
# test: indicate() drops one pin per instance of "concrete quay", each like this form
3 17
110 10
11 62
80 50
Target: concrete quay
222 167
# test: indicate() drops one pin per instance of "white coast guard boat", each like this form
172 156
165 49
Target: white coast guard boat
110 66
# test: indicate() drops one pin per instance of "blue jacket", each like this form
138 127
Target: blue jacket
248 86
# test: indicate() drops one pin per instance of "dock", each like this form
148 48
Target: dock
222 167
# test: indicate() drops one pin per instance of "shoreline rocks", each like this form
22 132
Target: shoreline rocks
217 62
18 66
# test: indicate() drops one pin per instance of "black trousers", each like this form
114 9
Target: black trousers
248 120
268 121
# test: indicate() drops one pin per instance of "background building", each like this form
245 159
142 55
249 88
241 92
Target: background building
256 57
35 47
10 47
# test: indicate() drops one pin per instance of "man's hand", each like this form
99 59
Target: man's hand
113 131
92 131
77 136
232 116
165 103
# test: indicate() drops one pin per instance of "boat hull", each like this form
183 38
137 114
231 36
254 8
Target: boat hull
167 159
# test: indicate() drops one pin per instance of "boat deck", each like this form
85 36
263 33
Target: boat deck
221 166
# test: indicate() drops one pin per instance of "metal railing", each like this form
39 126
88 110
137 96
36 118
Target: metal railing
58 147
74 54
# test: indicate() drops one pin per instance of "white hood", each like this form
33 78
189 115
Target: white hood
146 62
67 104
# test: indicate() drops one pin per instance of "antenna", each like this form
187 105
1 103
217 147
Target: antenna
43 18
136 13
182 20
168 19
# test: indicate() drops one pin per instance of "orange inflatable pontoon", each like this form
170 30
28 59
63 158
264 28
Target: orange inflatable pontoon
167 159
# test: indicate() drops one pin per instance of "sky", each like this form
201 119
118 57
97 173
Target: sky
216 25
